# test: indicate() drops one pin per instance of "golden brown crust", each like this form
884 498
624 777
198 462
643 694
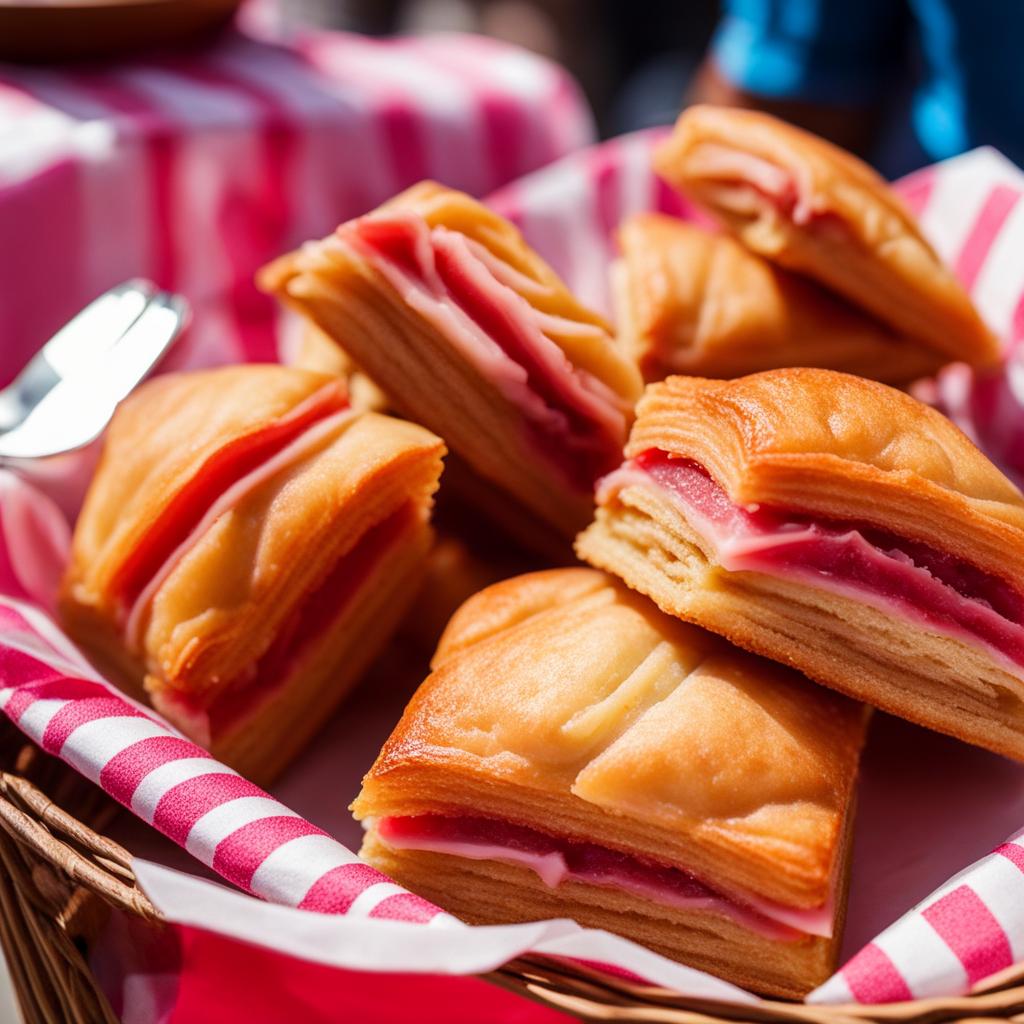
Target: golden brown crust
842 447
504 605
818 210
225 597
482 404
157 442
561 701
697 302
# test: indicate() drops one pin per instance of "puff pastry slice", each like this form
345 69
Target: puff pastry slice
818 210
577 753
691 301
442 303
836 525
247 545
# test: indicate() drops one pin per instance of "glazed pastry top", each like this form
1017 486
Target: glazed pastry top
817 441
567 682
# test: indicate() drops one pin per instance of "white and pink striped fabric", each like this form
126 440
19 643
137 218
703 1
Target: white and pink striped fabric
195 170
57 699
970 927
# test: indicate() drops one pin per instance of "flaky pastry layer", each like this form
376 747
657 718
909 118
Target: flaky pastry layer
276 728
315 351
160 439
695 302
818 210
560 701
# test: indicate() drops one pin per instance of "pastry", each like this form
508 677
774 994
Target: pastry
692 301
318 353
469 332
836 525
576 753
247 545
818 210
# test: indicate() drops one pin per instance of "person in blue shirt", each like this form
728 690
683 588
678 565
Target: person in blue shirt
951 71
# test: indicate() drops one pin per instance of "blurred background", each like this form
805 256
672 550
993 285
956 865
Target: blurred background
191 141
634 60
901 82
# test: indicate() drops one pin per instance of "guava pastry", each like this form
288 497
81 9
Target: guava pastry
577 753
246 547
836 525
467 331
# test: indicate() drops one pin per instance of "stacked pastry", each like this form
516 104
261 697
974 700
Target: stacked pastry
578 753
467 331
247 545
822 265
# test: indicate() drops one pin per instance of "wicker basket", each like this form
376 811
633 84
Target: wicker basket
61 878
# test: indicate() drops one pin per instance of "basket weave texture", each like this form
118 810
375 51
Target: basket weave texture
60 878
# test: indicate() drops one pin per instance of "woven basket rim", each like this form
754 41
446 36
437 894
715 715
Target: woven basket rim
103 869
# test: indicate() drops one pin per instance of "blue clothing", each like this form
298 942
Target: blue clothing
964 57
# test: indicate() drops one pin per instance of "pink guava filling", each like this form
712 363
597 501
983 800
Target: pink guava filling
312 436
788 190
224 469
931 587
555 860
306 627
477 302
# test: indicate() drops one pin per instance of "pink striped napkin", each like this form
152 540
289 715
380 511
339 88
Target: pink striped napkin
57 699
195 170
971 926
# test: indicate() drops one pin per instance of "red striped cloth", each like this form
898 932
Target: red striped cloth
196 170
54 696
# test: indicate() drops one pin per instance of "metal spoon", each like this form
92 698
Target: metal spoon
66 395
